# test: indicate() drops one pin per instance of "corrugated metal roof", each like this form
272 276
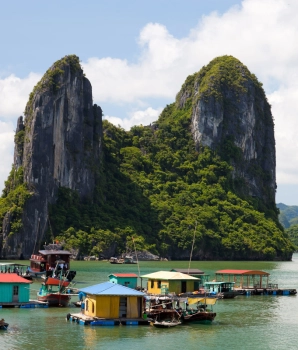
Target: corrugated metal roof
54 252
242 272
169 275
12 278
123 275
109 288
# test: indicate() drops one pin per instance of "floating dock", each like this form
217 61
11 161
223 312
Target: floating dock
97 321
267 291
28 305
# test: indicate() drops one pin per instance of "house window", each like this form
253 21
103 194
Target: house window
15 290
152 284
93 308
87 305
159 284
126 284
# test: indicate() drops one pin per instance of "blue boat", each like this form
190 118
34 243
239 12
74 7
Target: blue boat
3 325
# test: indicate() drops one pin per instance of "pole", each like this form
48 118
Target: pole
136 256
193 242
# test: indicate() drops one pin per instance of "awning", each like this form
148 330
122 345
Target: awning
206 301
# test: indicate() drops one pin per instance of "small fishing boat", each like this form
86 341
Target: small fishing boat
3 324
195 310
166 324
51 261
53 292
116 261
129 260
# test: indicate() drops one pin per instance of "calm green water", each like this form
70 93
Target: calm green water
256 322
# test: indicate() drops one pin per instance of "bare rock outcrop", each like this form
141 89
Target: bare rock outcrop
231 115
58 144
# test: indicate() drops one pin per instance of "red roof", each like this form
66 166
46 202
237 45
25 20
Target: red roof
242 272
56 282
124 275
12 278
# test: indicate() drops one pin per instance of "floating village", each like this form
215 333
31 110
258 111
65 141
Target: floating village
161 299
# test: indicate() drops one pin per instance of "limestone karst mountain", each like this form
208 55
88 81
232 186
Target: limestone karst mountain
57 144
207 164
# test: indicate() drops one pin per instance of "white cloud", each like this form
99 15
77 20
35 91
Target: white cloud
6 150
145 117
14 94
262 34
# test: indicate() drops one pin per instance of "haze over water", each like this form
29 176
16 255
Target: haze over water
255 322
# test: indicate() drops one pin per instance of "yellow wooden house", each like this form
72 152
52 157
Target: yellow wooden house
164 282
112 301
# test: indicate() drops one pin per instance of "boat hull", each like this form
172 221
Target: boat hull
166 324
3 325
55 299
199 317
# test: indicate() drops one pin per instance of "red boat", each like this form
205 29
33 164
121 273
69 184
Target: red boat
51 261
53 291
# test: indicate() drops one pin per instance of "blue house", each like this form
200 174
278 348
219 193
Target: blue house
108 304
125 279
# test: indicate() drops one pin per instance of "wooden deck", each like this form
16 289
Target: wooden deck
82 319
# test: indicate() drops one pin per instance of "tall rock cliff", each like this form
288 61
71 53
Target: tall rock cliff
58 144
231 115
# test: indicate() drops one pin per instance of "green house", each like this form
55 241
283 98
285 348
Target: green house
14 289
125 279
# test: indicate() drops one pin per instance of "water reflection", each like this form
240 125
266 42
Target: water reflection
255 322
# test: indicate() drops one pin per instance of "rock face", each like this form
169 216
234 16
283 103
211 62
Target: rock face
231 115
58 144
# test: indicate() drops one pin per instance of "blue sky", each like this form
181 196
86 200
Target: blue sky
137 55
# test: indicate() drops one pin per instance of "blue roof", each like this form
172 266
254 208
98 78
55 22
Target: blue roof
109 288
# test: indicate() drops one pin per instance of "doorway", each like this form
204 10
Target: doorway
183 286
123 307
15 294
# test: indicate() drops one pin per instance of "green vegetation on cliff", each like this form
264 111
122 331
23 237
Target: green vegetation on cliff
49 81
154 185
14 196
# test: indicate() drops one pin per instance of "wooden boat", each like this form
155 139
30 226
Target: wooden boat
116 261
166 324
196 310
221 289
53 292
3 325
53 260
200 316
129 260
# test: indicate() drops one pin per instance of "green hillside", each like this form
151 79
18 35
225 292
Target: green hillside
156 187
153 185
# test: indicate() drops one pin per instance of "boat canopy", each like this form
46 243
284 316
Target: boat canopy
54 252
206 301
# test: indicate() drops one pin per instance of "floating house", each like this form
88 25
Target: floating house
164 282
125 279
253 282
109 304
14 289
195 273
